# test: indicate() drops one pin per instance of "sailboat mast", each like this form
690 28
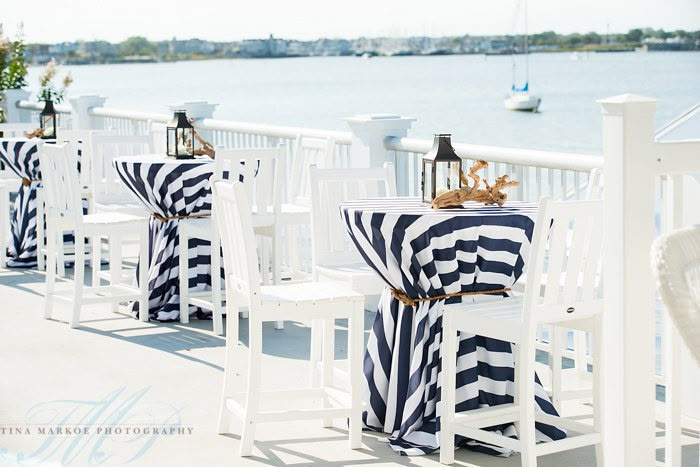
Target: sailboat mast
527 53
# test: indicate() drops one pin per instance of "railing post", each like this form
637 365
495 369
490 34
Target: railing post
82 120
14 114
628 330
199 110
368 134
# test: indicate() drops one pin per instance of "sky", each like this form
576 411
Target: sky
70 20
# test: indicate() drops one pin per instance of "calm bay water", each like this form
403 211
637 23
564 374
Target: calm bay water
461 95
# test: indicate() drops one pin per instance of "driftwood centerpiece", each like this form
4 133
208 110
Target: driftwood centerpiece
206 150
492 194
36 133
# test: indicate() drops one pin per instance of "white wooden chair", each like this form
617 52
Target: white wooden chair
262 171
333 255
296 212
578 379
676 266
300 301
570 299
109 192
64 212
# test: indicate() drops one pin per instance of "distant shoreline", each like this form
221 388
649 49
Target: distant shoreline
582 52
141 50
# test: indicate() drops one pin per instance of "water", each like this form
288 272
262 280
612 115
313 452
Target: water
462 95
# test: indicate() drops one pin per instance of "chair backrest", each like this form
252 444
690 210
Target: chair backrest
260 170
676 266
307 151
158 133
81 139
567 250
234 218
59 172
16 130
106 185
330 242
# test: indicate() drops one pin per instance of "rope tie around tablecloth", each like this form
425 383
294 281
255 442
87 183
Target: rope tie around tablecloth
28 181
172 218
403 297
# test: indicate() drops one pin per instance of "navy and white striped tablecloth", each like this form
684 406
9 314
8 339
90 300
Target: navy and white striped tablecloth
427 253
170 188
21 155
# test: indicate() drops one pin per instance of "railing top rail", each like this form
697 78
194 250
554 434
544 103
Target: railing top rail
532 157
30 105
341 137
130 114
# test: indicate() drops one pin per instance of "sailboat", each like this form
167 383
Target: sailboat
520 97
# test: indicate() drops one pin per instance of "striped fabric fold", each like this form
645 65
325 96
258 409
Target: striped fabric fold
427 253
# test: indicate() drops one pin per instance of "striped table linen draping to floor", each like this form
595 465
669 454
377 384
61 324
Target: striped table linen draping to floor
429 253
169 188
21 155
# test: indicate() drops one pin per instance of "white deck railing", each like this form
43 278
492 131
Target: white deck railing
540 173
64 112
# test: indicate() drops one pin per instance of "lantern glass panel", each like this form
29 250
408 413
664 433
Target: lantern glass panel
171 141
48 125
427 181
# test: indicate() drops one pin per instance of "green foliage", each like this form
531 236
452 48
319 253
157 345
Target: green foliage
13 67
137 46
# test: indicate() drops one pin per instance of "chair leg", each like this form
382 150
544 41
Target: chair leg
356 345
115 264
50 273
79 278
96 260
229 365
448 376
557 341
184 275
218 324
515 349
598 406
253 393
526 388
60 255
4 224
316 351
143 275
40 234
328 361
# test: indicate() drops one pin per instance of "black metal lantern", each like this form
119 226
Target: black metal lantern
442 168
47 120
180 137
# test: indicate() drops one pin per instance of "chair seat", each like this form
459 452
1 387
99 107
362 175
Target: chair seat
358 276
295 213
312 292
133 209
500 318
199 227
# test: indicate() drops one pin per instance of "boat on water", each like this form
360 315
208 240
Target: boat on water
520 97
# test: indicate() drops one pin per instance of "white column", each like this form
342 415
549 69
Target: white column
628 336
81 118
199 110
368 133
14 114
